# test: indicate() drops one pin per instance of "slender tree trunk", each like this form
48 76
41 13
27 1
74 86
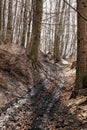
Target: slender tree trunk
29 24
67 39
19 25
57 35
3 22
9 24
24 24
14 20
56 47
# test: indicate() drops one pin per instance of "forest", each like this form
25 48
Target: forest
43 64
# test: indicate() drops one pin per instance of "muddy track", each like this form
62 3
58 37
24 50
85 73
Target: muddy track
34 107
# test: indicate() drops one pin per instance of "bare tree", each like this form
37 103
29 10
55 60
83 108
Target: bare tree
56 36
81 71
0 17
9 23
25 18
3 33
33 47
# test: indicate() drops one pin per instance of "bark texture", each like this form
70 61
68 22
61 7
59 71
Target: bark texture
32 49
81 72
0 17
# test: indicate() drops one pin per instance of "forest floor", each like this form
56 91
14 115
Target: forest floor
38 99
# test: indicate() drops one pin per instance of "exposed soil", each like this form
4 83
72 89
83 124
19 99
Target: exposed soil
38 100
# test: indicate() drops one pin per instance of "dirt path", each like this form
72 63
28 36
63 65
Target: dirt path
33 110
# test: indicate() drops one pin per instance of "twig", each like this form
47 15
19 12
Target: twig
83 17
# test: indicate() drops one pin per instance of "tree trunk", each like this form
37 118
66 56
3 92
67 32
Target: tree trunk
57 35
81 72
24 24
29 26
0 17
9 24
32 48
3 36
56 47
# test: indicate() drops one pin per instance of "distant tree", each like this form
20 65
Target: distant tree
25 23
14 19
29 26
81 71
19 23
33 47
67 36
9 23
3 33
57 35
